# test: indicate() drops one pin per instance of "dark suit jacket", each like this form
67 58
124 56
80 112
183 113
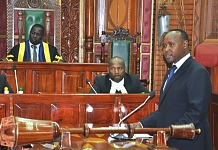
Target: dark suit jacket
15 50
4 83
102 84
185 100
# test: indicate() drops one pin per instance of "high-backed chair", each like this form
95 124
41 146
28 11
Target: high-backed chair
22 14
121 43
207 54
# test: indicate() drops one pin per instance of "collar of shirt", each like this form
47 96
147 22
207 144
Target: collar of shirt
31 50
37 46
117 86
181 61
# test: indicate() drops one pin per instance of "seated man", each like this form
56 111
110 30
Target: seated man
3 84
34 49
117 80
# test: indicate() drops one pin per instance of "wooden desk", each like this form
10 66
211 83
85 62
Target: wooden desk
73 110
51 77
101 141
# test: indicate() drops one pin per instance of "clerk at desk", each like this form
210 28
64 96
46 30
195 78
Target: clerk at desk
34 49
117 80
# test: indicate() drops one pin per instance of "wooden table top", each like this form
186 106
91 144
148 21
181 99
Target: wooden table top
94 142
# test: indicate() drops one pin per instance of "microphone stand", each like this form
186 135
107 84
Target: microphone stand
15 74
121 136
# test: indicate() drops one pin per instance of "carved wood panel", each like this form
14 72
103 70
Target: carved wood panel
70 14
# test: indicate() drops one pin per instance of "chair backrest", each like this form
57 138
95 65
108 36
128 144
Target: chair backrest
207 54
23 14
121 44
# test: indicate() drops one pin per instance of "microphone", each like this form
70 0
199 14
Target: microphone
151 95
88 82
123 136
15 74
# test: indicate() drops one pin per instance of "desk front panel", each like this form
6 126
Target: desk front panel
73 110
51 77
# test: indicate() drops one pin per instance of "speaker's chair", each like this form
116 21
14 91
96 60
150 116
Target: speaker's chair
121 44
23 14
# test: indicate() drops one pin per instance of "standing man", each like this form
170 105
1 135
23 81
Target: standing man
185 97
3 84
117 80
34 49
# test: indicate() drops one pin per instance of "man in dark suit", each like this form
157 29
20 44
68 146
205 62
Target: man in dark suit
34 50
117 80
184 98
3 84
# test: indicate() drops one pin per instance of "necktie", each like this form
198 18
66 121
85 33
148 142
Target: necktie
172 70
34 53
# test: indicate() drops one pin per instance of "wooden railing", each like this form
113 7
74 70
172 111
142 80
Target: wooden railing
51 77
73 110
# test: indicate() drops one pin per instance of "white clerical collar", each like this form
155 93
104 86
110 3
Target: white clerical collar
117 86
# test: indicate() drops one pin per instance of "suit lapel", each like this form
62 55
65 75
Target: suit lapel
107 83
179 72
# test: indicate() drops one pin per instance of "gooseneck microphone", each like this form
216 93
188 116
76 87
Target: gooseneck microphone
15 74
151 95
88 82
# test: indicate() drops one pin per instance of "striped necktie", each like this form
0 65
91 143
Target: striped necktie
34 53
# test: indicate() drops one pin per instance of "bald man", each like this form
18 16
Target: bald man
117 80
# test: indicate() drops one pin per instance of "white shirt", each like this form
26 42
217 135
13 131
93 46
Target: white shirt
32 50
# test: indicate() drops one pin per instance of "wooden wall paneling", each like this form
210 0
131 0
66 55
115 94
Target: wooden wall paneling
213 119
89 30
70 25
208 32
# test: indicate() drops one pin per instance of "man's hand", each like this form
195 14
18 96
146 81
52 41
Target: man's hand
137 125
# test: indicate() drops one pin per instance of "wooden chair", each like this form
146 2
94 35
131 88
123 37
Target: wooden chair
22 14
121 43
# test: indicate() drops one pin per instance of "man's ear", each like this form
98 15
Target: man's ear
185 44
